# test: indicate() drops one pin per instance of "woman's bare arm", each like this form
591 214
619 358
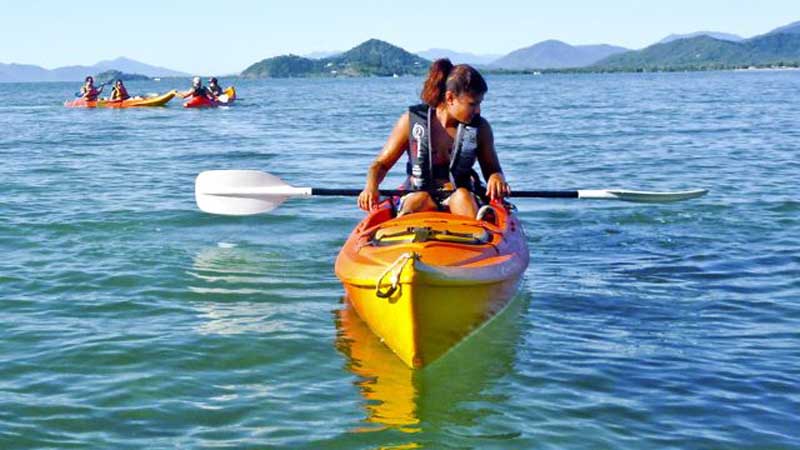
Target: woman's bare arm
393 149
496 186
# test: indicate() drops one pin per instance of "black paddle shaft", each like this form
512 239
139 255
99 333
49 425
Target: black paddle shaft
389 193
544 194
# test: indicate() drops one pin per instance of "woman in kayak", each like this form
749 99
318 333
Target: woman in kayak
198 90
443 138
119 92
214 88
88 91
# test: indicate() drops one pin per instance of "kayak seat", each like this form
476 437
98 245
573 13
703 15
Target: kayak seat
393 236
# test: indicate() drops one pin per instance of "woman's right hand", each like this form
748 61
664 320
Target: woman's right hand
368 198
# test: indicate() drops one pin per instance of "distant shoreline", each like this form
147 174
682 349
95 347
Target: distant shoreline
501 72
600 70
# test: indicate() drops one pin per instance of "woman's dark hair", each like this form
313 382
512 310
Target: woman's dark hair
443 76
87 79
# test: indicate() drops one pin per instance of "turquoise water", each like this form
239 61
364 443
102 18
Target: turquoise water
129 319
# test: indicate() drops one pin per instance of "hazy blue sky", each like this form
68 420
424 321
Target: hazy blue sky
225 37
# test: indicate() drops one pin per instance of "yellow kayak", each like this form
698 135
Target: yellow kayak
399 396
136 102
425 281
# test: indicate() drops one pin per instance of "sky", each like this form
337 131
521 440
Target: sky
205 37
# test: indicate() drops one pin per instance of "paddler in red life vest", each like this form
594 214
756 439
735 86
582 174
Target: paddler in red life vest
443 137
118 92
88 91
198 90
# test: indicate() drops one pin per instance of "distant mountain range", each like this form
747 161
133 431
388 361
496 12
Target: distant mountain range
112 75
713 34
792 28
371 58
778 47
693 51
701 50
554 54
379 58
130 66
23 72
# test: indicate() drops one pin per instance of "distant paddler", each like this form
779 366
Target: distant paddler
88 91
119 92
198 90
222 96
214 87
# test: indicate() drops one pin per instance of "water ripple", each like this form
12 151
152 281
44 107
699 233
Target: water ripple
130 319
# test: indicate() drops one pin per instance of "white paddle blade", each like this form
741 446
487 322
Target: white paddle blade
223 98
242 192
641 196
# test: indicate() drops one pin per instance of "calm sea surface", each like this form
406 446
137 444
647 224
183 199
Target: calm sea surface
130 319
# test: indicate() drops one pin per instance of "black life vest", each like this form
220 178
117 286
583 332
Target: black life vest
199 91
420 169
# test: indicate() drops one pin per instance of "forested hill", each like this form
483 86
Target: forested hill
704 52
371 58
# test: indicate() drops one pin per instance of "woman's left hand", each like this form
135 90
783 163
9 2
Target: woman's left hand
496 186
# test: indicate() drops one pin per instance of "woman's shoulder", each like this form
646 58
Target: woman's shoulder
480 123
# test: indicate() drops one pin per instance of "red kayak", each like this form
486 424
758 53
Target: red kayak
226 98
200 102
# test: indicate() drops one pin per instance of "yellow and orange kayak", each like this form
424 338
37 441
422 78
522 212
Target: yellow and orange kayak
423 282
133 102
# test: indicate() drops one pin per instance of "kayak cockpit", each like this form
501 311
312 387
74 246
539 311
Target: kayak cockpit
466 235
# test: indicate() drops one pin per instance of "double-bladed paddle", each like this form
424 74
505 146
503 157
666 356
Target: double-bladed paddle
247 192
